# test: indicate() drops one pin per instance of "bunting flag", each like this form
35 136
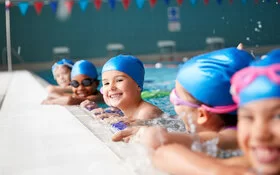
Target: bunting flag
219 2
167 2
97 4
193 2
8 4
230 1
38 7
256 1
206 2
268 1
153 3
125 4
244 1
112 4
69 5
83 4
180 2
53 5
23 6
140 3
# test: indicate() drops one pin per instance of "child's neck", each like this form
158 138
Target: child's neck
130 110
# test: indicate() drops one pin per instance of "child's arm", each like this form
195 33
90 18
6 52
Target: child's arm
227 139
178 160
96 98
51 89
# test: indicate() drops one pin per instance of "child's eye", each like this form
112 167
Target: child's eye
246 117
105 84
119 80
277 116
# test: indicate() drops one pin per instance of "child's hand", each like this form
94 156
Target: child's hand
89 105
153 137
125 135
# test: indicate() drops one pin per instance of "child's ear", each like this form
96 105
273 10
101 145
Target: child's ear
139 88
203 116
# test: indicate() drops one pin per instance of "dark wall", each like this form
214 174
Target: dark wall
87 33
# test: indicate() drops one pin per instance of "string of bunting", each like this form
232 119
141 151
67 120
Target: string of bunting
38 5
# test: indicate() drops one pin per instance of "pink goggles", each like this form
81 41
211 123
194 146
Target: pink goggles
246 76
177 101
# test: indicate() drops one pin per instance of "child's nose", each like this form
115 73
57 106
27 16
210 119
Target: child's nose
260 131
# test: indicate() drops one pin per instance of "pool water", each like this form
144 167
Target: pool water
156 79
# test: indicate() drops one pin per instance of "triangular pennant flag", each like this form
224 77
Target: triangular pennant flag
8 4
167 2
268 1
83 4
125 4
38 7
256 1
206 2
69 4
112 4
140 3
230 1
219 2
244 1
153 3
97 4
23 6
193 2
180 2
53 5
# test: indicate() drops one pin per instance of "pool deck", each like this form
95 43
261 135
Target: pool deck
48 139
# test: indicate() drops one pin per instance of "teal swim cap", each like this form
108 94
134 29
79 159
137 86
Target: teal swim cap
129 65
62 62
207 77
84 67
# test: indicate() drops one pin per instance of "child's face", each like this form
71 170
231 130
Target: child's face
184 111
86 86
119 89
62 76
259 134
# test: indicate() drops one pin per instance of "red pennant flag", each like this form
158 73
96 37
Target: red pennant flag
180 2
97 4
230 1
256 1
38 7
206 2
8 4
69 5
153 3
125 4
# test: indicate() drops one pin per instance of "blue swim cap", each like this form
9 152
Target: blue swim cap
207 77
84 67
261 80
128 64
62 62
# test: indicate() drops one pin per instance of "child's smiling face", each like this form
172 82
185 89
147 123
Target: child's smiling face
259 134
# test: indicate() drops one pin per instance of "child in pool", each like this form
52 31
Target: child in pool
122 79
202 91
61 71
256 90
84 84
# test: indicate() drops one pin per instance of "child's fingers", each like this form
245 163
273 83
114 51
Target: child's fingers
119 136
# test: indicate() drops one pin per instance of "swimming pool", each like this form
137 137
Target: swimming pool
156 79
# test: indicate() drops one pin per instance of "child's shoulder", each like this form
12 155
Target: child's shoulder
148 111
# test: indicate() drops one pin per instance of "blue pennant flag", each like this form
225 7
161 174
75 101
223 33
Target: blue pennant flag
112 4
83 4
219 2
23 6
167 2
244 1
140 3
54 6
193 2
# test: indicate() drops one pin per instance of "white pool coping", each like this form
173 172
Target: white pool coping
47 139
